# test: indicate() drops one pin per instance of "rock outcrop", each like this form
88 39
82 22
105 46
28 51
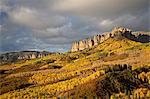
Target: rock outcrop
13 56
116 32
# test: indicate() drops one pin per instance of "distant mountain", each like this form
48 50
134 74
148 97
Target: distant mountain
13 56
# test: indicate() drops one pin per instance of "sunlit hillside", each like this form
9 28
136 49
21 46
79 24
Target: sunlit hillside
116 68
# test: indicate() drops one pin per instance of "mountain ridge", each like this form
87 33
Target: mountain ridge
116 32
22 55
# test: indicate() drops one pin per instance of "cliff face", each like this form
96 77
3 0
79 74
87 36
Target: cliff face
87 43
116 32
13 56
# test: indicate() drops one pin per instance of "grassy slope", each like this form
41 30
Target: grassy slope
64 74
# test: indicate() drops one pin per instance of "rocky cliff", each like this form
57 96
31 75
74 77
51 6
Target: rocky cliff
13 56
116 32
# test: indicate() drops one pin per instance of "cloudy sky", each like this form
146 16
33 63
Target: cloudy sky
53 24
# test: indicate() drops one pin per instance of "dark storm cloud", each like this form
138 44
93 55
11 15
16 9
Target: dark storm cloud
54 24
102 8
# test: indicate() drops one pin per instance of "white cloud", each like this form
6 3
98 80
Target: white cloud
124 20
106 23
34 19
25 16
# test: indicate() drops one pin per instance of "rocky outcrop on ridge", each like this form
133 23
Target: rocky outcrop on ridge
13 56
116 32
